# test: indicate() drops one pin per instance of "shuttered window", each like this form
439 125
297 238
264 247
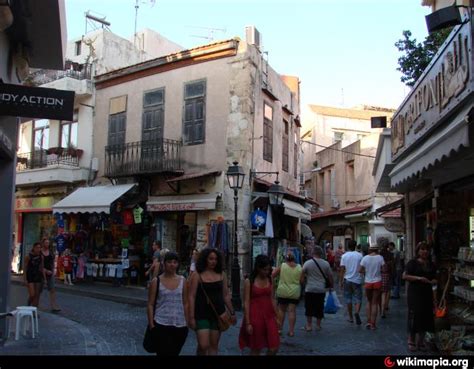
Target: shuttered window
267 132
194 114
117 123
284 146
153 115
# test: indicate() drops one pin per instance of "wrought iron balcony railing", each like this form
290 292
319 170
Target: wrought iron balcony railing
45 158
43 76
143 157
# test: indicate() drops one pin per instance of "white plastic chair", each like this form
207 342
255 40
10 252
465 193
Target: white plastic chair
28 312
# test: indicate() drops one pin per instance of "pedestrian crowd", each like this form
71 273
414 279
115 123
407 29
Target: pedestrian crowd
201 301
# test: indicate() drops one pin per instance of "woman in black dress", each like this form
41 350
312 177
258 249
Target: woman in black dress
34 275
209 281
421 274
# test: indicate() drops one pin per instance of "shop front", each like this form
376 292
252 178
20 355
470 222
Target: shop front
107 232
34 221
433 166
183 223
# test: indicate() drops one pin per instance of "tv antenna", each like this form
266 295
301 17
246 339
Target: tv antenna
137 2
96 22
210 32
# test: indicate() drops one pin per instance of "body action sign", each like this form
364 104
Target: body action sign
36 102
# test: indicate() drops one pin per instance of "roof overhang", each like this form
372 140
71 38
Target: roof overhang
40 27
293 209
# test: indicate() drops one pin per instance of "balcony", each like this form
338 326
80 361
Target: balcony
73 80
57 165
143 157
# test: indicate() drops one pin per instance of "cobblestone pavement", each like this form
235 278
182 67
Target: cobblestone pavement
92 326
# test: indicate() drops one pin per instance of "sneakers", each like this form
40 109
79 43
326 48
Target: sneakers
357 318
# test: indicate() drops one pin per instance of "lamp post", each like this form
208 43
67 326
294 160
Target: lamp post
235 176
276 192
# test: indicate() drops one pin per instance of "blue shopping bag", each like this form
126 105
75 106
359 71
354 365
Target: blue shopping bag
330 306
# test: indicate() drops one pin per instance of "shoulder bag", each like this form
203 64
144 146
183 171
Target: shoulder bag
148 343
327 284
223 320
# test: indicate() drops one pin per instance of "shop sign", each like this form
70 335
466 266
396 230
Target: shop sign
395 225
36 102
31 203
444 84
258 218
172 207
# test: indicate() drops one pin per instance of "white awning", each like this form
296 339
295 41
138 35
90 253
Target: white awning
91 199
293 209
439 145
181 203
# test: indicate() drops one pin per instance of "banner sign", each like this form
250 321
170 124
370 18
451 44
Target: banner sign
36 102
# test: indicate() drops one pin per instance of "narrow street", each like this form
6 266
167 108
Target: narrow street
112 328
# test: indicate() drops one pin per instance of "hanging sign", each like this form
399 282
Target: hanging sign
36 102
258 218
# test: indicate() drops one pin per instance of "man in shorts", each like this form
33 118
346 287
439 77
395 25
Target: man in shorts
351 281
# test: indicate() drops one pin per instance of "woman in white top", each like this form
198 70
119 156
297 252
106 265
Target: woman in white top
370 267
168 317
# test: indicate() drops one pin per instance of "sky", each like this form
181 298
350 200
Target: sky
342 51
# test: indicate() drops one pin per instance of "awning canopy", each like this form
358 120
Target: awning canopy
293 209
91 199
353 210
181 203
439 145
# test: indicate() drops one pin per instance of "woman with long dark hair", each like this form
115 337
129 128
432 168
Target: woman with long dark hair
34 275
209 283
420 272
168 312
259 329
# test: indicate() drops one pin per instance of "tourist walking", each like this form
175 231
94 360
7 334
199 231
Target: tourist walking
317 275
259 328
209 283
420 272
387 275
50 274
168 312
351 281
397 274
34 275
288 291
370 267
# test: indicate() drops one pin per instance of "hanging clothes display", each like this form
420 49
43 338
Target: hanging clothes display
219 237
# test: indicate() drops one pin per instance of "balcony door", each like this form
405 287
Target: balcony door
40 143
152 129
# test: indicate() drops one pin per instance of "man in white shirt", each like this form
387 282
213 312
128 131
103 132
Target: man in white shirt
351 281
371 266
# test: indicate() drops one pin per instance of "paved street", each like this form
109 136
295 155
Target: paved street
92 326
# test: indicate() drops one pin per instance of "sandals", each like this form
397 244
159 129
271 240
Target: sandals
306 329
291 334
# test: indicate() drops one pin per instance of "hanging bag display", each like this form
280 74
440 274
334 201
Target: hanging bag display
441 308
148 344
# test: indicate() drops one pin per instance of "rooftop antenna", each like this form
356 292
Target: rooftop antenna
210 32
94 21
137 2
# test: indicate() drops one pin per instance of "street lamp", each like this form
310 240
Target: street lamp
235 176
276 192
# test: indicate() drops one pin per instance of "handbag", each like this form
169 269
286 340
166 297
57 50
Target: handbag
327 284
440 311
223 320
148 343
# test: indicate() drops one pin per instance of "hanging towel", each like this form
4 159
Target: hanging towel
269 223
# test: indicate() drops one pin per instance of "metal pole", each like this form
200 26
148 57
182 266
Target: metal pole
235 277
9 127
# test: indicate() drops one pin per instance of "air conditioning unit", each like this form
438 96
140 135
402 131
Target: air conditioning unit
335 204
252 36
